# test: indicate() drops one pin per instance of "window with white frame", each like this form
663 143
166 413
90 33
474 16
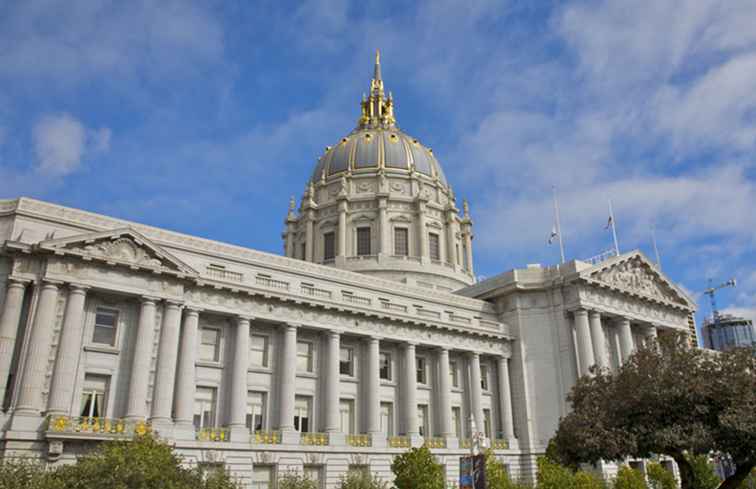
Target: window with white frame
457 421
258 350
304 356
204 407
329 246
346 361
209 350
346 413
387 418
262 477
363 241
422 419
453 373
105 327
487 425
484 377
256 411
94 396
434 245
401 241
422 370
385 366
302 413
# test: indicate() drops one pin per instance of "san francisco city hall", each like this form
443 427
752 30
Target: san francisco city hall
370 335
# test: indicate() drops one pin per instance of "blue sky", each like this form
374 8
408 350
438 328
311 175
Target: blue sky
204 117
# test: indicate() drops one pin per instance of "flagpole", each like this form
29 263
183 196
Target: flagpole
656 249
558 224
614 229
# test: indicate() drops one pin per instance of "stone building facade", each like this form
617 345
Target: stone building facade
369 335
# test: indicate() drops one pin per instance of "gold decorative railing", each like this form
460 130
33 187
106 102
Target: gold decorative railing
269 437
435 442
465 443
500 444
319 439
97 426
212 434
358 440
399 441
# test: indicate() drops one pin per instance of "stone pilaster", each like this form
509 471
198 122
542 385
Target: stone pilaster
30 401
69 351
237 422
584 346
165 380
341 249
9 322
599 340
140 362
185 383
384 239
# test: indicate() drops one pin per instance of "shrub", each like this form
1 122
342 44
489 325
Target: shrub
705 477
24 473
554 476
586 480
293 480
358 479
628 478
496 474
659 477
416 469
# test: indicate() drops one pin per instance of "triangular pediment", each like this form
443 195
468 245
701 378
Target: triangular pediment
633 272
123 246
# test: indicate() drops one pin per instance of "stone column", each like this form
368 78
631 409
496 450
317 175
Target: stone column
409 406
9 322
69 351
40 340
140 362
287 387
599 340
505 399
237 423
332 383
585 349
476 395
165 379
651 333
185 383
444 395
372 390
626 338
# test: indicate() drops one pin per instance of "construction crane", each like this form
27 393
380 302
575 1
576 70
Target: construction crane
711 293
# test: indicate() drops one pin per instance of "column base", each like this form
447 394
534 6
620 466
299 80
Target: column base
26 421
415 439
162 427
378 440
336 438
289 437
239 434
183 430
452 442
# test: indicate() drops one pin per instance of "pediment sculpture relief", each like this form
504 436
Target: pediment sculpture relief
636 277
123 249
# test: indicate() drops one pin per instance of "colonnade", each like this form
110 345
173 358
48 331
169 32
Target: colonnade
591 340
175 379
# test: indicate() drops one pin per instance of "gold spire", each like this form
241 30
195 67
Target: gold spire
376 109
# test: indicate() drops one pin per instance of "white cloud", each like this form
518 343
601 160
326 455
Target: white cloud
61 141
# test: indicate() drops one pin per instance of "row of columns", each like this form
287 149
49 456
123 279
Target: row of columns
591 340
176 367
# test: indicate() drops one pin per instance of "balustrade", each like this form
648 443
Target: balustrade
315 439
358 440
213 434
399 441
267 437
98 426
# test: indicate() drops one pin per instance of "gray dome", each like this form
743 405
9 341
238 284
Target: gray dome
371 149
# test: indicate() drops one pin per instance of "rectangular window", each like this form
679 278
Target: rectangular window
93 396
484 377
435 246
363 241
346 413
422 419
346 361
106 326
387 418
329 246
421 370
401 242
385 366
304 356
314 473
209 344
204 407
453 375
262 477
258 350
302 413
487 426
256 411
457 421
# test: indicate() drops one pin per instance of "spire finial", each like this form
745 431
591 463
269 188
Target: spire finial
377 72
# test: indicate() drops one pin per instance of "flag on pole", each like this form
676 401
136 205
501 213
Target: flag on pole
554 234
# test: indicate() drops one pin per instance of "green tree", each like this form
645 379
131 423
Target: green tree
628 478
666 399
294 480
705 477
659 477
359 479
416 469
22 473
496 474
